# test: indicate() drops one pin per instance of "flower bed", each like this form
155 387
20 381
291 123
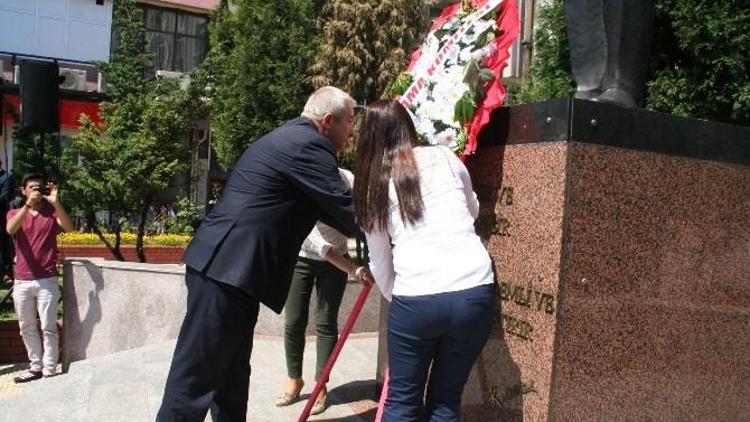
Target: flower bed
125 239
154 254
159 249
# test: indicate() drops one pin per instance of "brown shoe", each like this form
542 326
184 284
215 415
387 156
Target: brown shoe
320 404
288 398
28 376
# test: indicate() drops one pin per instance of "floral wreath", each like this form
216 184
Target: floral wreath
453 81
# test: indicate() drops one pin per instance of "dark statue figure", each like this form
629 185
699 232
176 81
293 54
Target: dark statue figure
609 43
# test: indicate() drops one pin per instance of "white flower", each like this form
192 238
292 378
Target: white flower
464 55
479 27
429 51
447 137
425 126
482 53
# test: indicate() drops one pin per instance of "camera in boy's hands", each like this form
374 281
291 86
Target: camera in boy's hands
45 189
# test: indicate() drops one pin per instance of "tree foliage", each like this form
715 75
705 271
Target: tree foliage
699 61
549 74
364 46
257 70
34 152
123 163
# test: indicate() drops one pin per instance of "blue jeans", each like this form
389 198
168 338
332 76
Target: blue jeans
447 330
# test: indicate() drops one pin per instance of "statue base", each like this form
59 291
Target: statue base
620 242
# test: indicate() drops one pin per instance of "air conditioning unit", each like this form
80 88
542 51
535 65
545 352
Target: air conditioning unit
184 79
73 79
168 74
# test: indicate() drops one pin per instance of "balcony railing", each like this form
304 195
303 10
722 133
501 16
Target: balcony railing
79 76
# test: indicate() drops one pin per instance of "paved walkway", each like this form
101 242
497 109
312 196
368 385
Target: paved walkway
127 386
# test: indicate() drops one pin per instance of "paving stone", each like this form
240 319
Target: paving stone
128 386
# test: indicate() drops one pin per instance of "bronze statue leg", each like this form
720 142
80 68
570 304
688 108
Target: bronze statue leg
588 45
609 42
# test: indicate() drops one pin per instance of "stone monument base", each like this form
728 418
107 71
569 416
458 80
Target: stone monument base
621 243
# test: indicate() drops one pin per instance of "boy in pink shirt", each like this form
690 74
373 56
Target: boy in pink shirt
34 228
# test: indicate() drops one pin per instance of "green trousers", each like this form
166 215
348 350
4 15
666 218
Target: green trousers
329 283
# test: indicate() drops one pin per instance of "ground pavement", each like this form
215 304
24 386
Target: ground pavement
127 386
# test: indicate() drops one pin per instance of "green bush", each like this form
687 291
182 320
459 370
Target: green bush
699 65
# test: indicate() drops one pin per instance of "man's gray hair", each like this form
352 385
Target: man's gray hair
327 99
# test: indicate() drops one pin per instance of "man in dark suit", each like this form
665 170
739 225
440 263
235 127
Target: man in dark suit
244 252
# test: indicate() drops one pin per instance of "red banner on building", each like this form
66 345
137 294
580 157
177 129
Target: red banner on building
69 111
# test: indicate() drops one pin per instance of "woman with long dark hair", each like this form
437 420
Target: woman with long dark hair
417 208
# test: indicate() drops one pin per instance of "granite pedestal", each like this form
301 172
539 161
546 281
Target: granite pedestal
621 243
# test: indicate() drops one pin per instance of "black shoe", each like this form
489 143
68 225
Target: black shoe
28 376
618 97
589 95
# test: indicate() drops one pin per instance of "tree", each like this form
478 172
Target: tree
364 45
34 152
259 58
699 61
122 164
549 73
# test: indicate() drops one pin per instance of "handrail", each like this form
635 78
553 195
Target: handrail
83 65
34 56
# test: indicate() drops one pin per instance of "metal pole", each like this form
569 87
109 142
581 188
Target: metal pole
323 379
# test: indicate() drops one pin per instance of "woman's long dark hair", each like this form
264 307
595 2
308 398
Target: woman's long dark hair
384 152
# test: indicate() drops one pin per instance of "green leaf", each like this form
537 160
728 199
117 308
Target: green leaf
461 139
464 109
471 73
440 126
401 84
486 75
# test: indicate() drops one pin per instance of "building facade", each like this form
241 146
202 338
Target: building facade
72 32
75 34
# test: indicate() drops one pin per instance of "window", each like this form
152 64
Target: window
176 39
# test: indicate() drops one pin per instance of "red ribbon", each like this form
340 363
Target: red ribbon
508 22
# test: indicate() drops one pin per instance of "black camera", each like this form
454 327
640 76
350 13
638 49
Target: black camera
44 190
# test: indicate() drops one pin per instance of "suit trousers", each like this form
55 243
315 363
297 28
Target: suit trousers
211 363
438 336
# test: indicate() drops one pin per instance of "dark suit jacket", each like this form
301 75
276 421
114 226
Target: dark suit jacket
277 190
7 191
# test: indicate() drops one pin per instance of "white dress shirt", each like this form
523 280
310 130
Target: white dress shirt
324 237
441 252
